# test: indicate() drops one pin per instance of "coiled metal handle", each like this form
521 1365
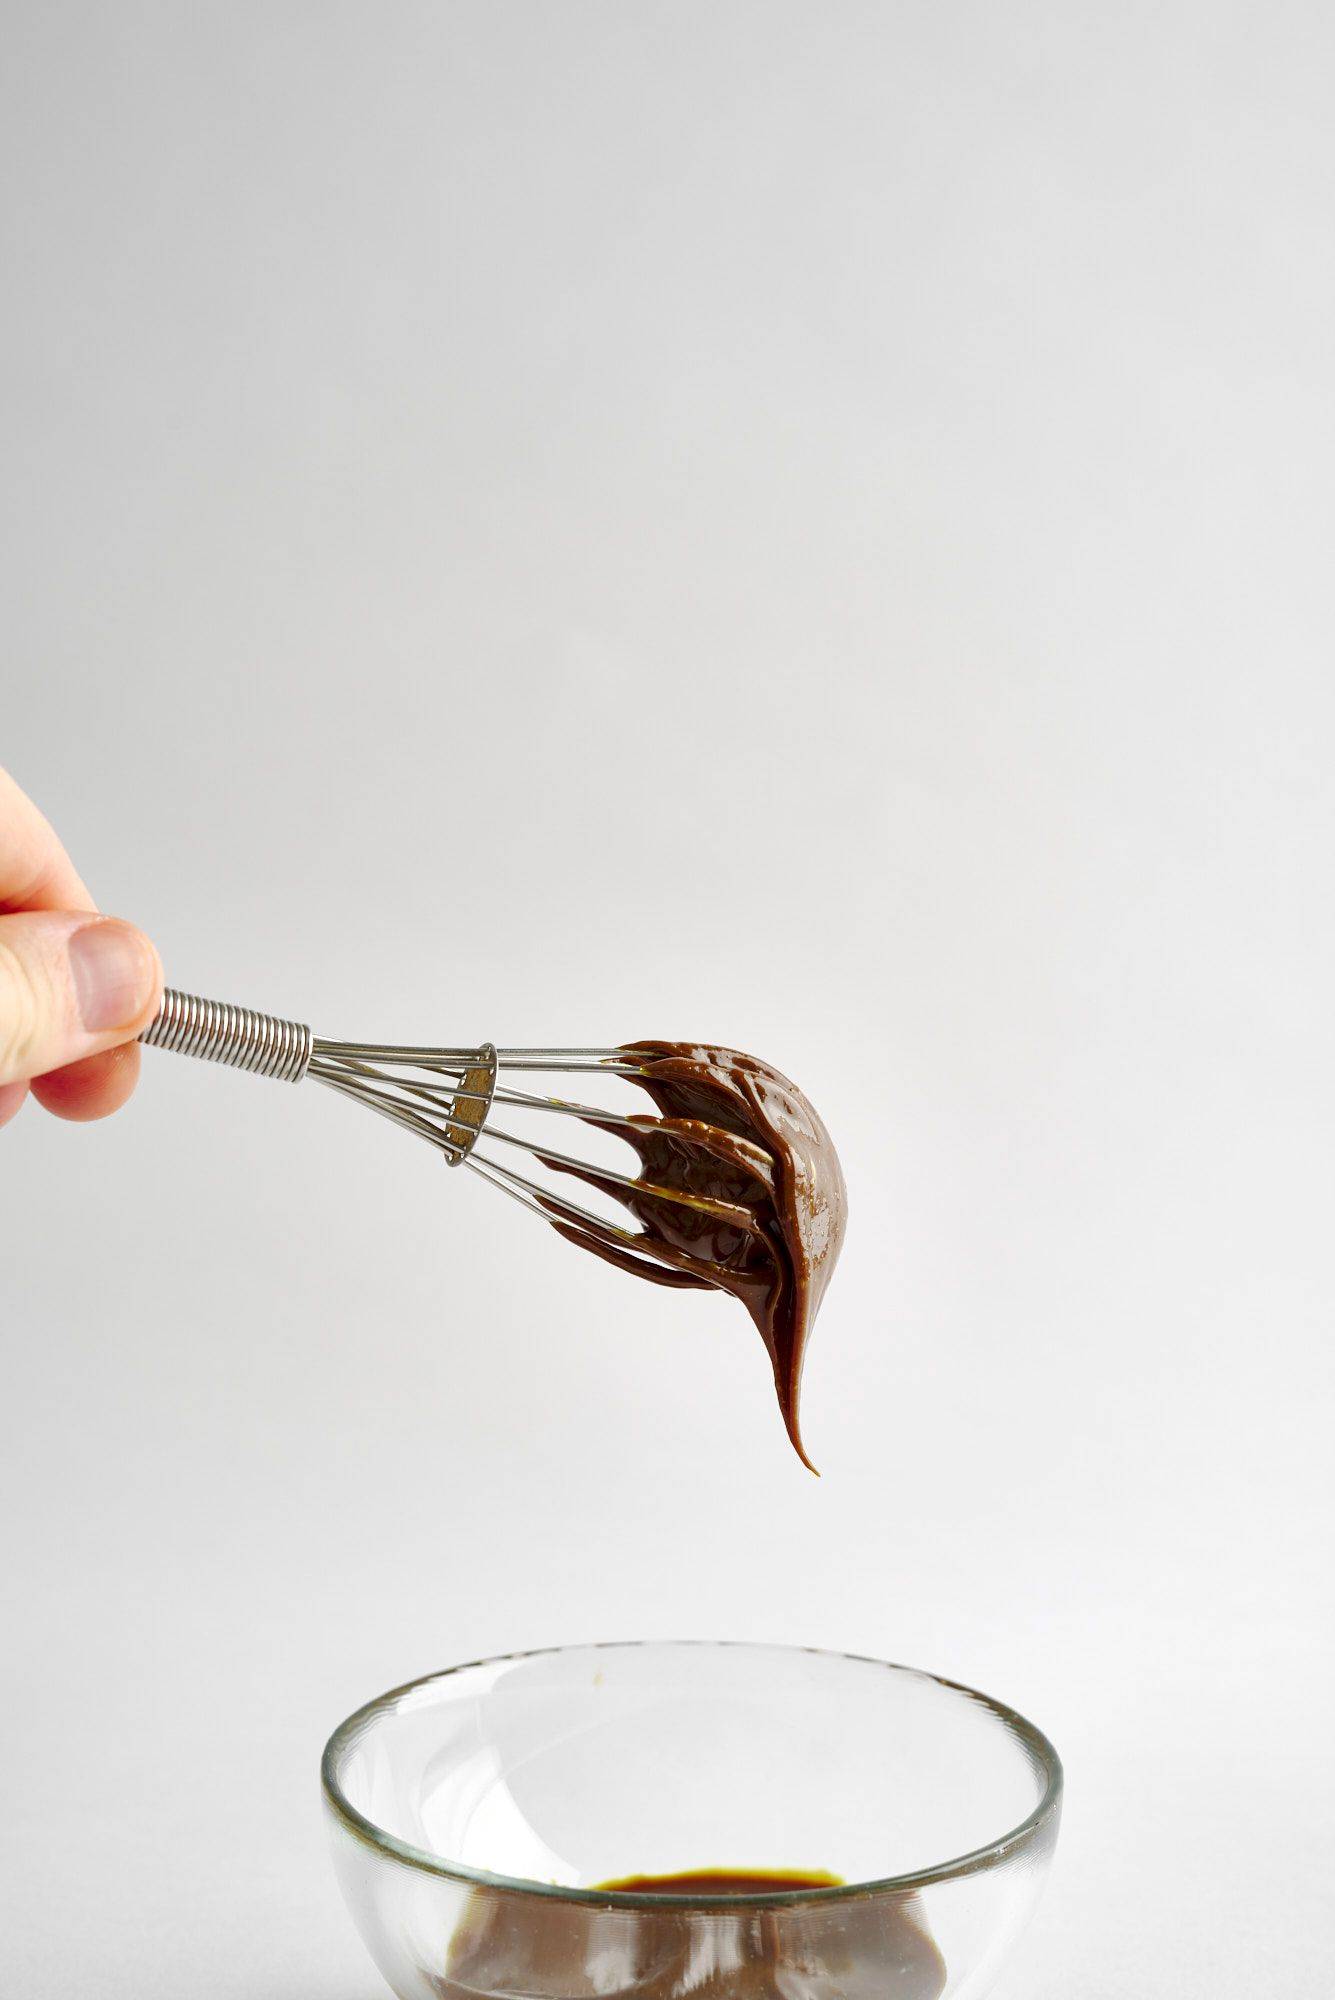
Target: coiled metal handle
215 1031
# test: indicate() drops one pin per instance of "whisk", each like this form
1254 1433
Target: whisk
446 1096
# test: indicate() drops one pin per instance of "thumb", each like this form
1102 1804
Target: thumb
70 985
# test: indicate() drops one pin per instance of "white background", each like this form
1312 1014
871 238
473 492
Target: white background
806 526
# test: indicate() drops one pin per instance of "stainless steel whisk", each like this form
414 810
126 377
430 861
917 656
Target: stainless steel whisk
445 1096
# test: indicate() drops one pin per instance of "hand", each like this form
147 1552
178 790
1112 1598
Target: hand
75 988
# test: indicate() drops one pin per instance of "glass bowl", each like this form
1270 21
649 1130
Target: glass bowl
474 1814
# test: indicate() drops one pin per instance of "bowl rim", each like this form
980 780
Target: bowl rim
972 1863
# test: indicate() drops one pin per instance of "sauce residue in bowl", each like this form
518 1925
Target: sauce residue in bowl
725 1882
857 1947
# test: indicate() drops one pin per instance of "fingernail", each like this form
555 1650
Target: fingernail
114 974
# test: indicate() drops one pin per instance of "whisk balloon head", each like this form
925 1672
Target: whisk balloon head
454 1099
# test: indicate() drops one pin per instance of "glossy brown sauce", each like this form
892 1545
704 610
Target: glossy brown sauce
856 1947
724 1882
739 1190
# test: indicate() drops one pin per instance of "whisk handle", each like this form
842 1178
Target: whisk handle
215 1031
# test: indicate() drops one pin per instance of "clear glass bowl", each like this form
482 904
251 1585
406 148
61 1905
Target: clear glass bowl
474 1813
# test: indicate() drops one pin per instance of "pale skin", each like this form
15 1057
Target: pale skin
76 987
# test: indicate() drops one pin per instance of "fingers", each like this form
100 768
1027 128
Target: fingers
11 1100
35 871
70 987
68 1001
93 1088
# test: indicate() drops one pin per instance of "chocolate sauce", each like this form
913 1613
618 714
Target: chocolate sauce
724 1882
859 1947
765 1204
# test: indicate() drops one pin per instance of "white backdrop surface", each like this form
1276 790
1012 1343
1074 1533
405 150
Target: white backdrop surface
804 526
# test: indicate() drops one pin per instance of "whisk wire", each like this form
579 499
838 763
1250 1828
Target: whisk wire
448 1102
